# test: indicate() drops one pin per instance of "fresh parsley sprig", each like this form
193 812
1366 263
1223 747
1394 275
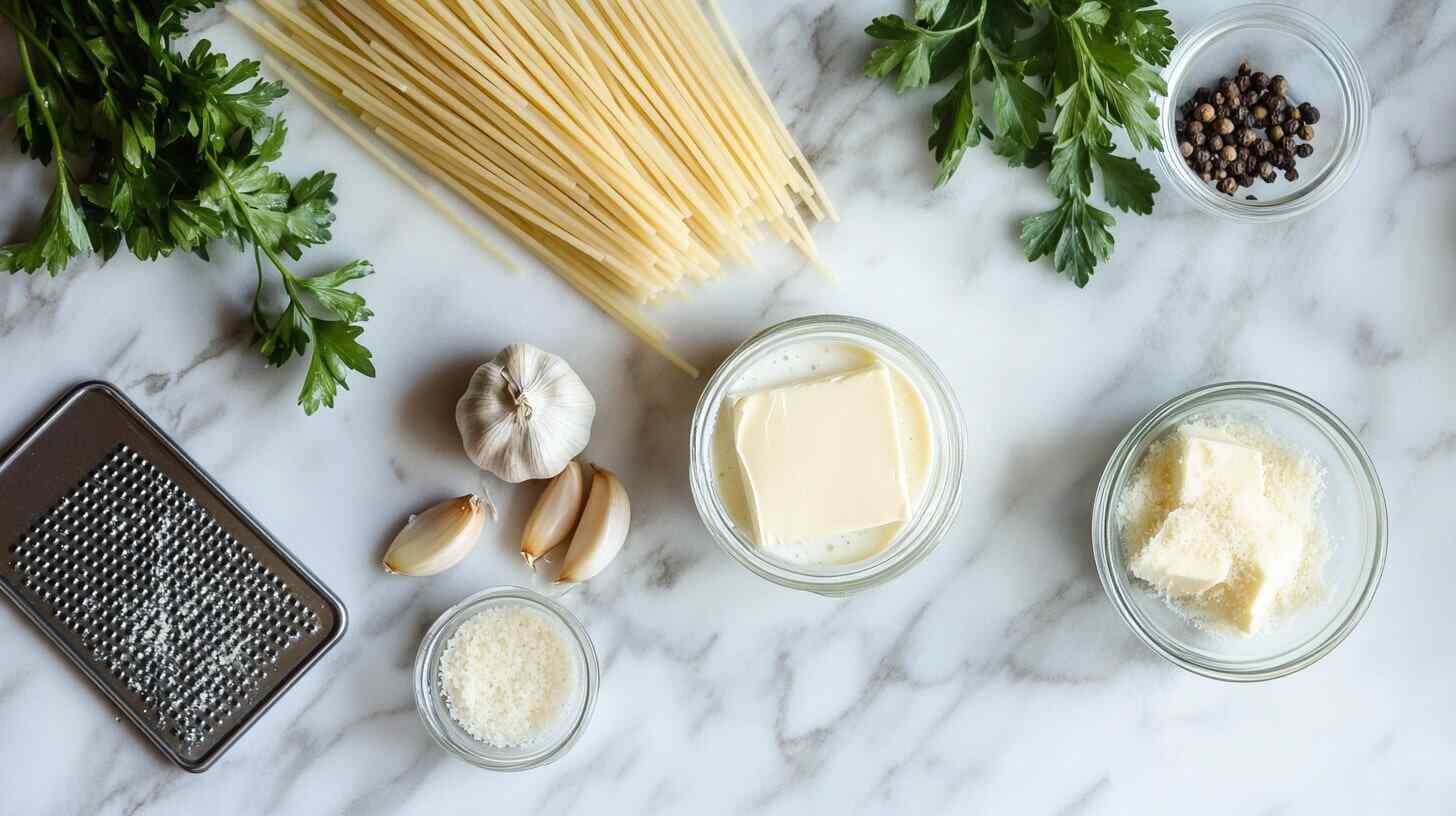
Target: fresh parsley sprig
1084 67
179 151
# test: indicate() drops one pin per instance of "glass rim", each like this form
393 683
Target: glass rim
1355 98
431 708
939 508
1105 538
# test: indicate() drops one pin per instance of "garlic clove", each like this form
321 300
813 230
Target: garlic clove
602 530
525 414
556 513
437 539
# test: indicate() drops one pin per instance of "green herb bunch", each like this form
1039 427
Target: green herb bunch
1087 68
169 153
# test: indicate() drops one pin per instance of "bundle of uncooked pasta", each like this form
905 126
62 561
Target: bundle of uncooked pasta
627 143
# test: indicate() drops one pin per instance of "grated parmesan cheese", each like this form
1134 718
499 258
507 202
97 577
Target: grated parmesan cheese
1223 520
507 675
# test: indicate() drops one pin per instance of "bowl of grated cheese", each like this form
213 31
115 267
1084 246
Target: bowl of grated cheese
506 679
1240 530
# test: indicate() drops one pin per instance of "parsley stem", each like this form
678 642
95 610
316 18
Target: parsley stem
288 282
45 114
24 31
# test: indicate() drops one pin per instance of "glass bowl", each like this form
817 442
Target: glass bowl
1321 70
939 503
1352 507
547 748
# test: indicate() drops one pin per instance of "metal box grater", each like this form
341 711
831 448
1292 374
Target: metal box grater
166 593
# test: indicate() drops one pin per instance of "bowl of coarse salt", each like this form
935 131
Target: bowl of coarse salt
506 679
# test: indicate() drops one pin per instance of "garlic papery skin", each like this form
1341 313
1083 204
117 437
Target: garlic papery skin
525 414
437 539
602 530
556 513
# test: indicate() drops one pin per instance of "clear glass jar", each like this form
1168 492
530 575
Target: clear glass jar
430 700
1352 507
939 502
1321 70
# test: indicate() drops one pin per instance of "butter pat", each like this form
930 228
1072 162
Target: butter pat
1187 556
1216 468
1272 565
821 458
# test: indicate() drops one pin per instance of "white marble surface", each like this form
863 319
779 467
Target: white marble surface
995 677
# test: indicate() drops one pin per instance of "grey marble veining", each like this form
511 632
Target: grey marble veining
994 677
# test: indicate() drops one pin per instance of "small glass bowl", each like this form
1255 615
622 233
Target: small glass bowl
1321 69
939 504
1352 507
430 700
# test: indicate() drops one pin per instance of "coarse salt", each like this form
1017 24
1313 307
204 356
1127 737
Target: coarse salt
507 675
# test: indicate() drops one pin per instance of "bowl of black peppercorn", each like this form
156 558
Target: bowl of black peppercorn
1265 115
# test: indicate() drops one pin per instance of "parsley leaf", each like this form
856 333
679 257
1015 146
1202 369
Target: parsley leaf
1126 184
1064 76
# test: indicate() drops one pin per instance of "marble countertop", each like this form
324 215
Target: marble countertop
994 677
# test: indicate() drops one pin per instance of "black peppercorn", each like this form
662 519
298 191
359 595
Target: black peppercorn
1250 197
1243 128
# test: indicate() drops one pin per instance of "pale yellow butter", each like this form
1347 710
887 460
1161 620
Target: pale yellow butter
1186 556
821 458
1216 468
1272 565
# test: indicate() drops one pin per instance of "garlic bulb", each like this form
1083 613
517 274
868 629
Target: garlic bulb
525 415
438 538
602 530
556 513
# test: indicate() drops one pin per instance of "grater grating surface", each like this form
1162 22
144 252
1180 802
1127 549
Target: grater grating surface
169 597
